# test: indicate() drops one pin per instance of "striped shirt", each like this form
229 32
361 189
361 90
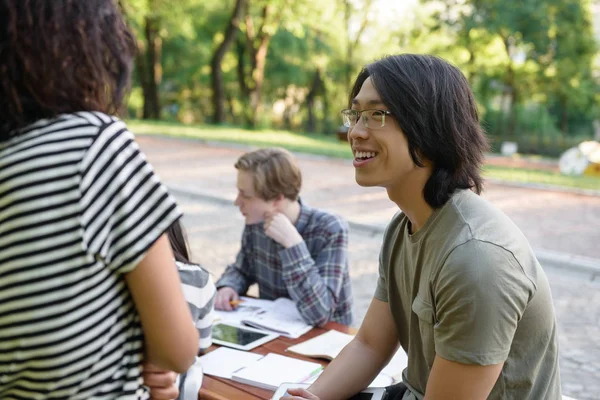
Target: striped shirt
79 208
313 273
199 292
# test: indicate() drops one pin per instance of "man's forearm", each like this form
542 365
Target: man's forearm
313 298
349 373
233 278
307 287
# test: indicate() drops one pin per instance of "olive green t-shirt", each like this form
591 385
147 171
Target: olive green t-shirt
467 287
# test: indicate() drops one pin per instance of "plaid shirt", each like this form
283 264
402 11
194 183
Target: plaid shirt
313 273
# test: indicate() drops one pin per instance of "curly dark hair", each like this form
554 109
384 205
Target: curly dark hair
435 108
61 56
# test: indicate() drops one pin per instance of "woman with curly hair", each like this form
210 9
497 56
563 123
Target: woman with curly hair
88 284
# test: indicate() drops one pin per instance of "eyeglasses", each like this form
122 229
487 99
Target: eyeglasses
371 118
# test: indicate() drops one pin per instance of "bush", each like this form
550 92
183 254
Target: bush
535 131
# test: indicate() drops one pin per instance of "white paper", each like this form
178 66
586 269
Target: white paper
329 344
274 369
396 365
245 310
283 317
279 316
381 380
223 362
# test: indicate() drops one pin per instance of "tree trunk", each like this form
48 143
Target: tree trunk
152 69
326 123
257 43
217 59
142 74
316 88
510 82
564 116
348 69
231 105
241 74
512 115
258 76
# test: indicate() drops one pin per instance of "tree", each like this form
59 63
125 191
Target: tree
259 27
352 43
568 72
146 18
217 59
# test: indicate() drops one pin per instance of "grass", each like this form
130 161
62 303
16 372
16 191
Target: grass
329 145
521 175
302 143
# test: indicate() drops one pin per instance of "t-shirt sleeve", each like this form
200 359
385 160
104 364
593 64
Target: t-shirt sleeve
124 206
381 291
481 294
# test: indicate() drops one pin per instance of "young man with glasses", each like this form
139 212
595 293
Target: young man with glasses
289 248
459 287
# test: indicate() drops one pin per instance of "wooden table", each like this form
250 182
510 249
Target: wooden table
214 388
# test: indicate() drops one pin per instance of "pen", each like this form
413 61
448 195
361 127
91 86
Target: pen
236 302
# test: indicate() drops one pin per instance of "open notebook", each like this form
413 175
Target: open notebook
272 370
329 344
280 316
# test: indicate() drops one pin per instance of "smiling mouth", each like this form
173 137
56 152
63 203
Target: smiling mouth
364 155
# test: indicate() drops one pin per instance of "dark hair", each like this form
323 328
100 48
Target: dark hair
436 110
179 244
178 240
61 56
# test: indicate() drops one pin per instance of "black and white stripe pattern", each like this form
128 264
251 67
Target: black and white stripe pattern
79 207
199 291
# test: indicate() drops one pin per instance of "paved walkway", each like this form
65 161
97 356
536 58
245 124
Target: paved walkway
560 226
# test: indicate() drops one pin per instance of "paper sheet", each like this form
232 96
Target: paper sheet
223 362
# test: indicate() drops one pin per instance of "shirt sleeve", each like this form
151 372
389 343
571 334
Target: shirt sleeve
315 284
199 292
480 296
238 275
124 206
381 291
392 231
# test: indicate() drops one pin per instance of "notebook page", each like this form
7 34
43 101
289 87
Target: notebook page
282 318
328 344
223 362
273 369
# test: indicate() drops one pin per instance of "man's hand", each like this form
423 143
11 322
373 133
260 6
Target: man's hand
279 228
224 296
161 383
299 394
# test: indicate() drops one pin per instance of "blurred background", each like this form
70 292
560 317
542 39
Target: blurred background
288 64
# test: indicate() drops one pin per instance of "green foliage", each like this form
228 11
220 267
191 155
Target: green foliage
531 63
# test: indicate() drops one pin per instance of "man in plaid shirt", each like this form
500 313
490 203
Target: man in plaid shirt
290 249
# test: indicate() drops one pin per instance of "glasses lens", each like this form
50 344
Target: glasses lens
349 117
378 119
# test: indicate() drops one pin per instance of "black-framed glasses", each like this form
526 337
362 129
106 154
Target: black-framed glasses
371 118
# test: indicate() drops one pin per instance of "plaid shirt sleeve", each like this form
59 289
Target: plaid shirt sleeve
237 275
315 284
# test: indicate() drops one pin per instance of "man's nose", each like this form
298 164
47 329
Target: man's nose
358 131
